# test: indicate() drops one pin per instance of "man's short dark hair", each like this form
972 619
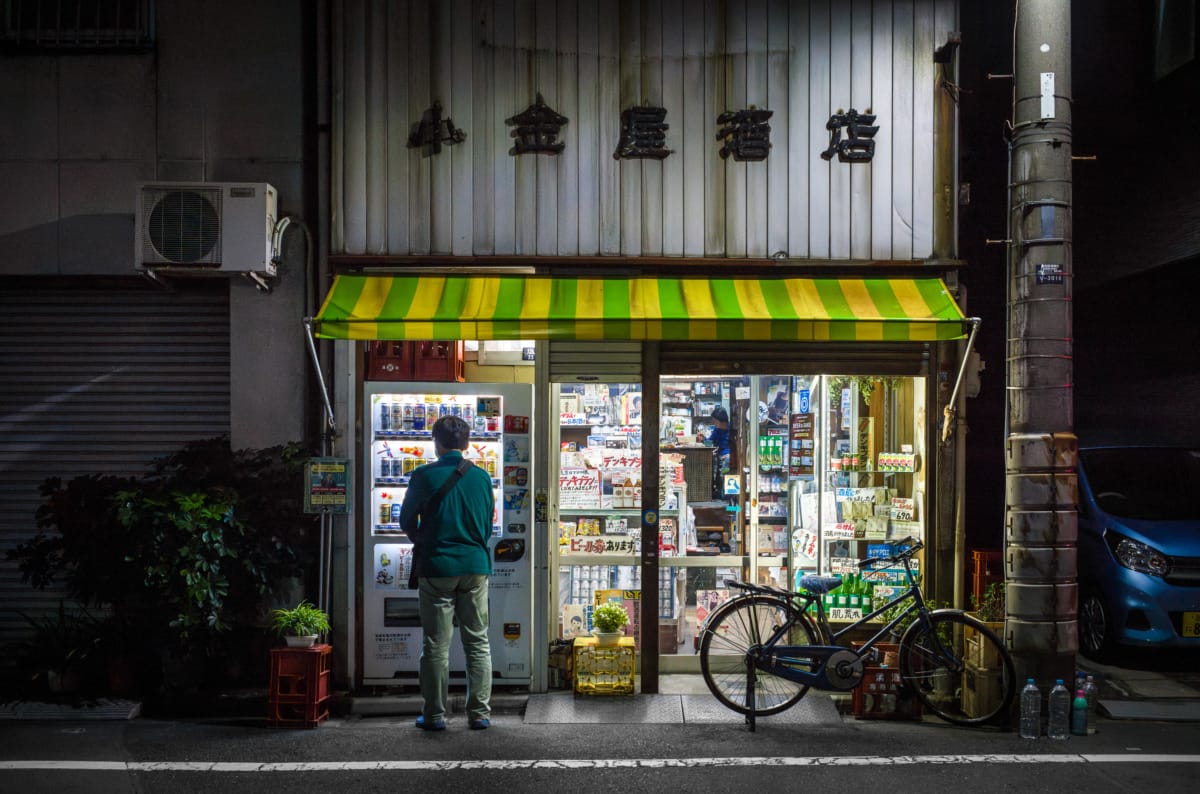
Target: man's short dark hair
720 414
452 432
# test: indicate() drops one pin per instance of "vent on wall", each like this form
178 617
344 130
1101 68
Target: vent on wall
213 227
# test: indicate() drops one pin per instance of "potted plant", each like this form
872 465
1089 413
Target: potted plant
990 608
300 625
59 647
607 621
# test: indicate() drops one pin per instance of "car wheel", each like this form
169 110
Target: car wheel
1095 626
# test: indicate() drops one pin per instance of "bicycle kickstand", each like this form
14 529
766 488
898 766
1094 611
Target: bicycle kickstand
751 680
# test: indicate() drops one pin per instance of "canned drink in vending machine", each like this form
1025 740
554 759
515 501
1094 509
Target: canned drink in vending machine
408 416
385 416
397 416
418 417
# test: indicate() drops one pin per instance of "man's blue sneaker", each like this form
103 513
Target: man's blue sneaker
481 725
436 725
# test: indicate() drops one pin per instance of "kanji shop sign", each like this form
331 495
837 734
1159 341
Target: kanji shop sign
744 134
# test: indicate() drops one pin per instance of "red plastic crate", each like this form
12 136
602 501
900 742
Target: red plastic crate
299 688
390 361
438 361
989 568
878 697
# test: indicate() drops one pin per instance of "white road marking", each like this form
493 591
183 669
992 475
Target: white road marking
600 763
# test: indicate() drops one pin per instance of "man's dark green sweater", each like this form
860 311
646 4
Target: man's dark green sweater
454 540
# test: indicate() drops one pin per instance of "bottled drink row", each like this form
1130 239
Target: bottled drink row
419 416
1070 714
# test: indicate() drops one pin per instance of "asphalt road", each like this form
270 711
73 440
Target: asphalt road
389 754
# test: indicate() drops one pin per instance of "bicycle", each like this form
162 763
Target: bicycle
761 651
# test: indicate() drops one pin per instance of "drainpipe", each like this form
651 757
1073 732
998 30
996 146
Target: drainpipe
948 548
1040 449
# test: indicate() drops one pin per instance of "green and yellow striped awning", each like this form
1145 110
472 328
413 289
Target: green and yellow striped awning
535 307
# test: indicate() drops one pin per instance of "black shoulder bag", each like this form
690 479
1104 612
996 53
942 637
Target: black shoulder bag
430 507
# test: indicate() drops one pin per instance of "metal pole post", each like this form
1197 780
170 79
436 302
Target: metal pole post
1040 451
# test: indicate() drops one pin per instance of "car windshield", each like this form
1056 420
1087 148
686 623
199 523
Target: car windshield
1147 483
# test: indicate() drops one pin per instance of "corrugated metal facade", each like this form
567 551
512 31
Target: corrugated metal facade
99 380
488 60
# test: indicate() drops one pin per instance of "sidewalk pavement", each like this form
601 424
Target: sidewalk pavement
1125 694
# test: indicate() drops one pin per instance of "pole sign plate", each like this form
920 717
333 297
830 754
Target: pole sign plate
1049 273
327 485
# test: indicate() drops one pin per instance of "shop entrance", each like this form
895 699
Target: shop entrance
762 478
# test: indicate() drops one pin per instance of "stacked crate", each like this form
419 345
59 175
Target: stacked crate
604 671
299 686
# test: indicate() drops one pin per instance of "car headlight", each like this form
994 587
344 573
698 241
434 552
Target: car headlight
1138 556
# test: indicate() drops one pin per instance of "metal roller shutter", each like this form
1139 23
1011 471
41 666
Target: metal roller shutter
99 380
602 361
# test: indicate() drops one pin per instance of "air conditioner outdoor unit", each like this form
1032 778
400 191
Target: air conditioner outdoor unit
206 227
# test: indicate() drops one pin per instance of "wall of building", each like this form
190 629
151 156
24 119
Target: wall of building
222 97
489 60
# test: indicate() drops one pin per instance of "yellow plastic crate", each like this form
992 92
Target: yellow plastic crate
981 689
983 654
604 671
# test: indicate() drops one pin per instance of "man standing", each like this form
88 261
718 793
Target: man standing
452 564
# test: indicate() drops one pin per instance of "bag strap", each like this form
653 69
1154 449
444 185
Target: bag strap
434 502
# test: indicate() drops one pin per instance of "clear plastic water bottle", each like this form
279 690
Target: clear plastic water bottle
1059 724
1031 710
1091 692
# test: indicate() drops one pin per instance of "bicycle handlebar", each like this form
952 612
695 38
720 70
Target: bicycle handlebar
912 543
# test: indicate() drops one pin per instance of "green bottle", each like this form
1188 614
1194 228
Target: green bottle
1079 714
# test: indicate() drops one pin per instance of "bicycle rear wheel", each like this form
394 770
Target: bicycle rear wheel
726 641
958 668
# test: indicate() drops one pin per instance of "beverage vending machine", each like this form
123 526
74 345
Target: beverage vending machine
398 419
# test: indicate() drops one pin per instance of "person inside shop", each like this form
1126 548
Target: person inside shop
449 522
719 437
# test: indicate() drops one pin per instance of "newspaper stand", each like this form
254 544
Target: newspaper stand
299 694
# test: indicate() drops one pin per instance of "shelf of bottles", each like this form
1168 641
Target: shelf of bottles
402 441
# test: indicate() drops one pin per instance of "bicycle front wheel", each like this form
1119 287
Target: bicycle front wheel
729 636
958 668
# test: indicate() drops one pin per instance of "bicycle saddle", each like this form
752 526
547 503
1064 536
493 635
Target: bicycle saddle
819 585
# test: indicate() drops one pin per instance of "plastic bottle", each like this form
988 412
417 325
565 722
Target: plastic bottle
1091 692
1031 710
1079 714
1059 724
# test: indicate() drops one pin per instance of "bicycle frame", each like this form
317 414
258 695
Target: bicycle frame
789 661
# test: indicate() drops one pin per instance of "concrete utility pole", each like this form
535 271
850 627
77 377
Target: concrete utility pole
1040 451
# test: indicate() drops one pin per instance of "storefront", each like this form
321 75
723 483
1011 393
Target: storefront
827 385
738 203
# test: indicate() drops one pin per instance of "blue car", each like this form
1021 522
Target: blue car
1139 548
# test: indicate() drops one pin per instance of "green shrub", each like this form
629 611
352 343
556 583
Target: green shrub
609 617
182 555
299 621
